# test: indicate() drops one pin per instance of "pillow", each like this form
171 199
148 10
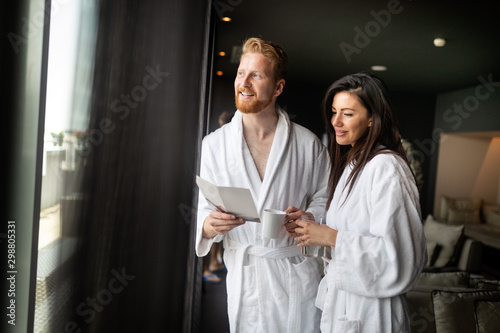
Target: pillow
460 216
458 205
444 207
445 235
454 311
490 208
420 310
488 284
493 219
487 315
433 250
444 279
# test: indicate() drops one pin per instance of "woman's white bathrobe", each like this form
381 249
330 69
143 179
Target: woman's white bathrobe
270 286
379 253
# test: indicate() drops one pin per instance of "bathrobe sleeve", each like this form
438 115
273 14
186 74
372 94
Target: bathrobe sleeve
321 170
203 245
385 258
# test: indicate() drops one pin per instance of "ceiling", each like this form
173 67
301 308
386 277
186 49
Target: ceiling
326 40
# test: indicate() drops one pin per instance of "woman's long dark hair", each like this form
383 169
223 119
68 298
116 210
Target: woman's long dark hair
373 94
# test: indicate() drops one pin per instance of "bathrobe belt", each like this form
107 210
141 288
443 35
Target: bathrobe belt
268 253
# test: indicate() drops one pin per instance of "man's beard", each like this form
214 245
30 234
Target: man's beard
254 106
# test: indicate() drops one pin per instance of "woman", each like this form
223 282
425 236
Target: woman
373 221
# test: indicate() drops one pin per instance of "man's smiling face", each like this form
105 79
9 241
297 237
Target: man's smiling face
254 84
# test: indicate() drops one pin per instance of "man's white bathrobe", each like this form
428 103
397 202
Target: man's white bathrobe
379 253
270 286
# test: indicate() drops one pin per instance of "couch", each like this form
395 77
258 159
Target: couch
481 220
451 302
449 249
450 294
456 219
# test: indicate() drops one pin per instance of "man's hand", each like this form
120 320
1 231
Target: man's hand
218 223
293 214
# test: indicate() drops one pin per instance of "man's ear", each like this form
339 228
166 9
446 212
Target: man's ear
280 85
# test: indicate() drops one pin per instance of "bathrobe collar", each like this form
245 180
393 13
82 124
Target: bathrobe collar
278 148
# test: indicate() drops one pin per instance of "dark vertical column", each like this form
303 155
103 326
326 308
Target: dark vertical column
23 54
135 266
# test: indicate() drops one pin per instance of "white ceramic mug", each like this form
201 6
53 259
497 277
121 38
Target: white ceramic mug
272 222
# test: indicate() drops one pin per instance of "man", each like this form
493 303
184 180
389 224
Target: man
270 286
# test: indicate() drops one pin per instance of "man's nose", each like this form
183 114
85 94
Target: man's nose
245 82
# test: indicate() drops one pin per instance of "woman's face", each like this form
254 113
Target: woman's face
350 118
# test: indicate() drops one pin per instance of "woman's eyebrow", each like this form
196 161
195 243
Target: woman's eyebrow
344 109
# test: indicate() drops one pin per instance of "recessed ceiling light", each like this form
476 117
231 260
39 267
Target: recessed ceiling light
222 53
439 42
226 19
378 68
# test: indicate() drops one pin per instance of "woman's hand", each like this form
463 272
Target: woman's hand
311 233
293 214
218 223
